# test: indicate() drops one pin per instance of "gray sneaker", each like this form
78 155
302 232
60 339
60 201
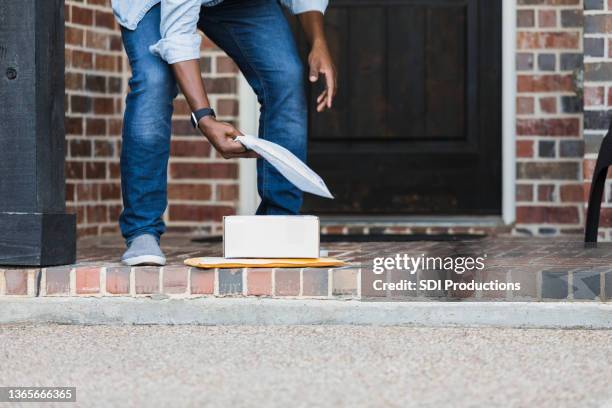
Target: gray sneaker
144 250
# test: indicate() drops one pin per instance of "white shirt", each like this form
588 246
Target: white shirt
179 20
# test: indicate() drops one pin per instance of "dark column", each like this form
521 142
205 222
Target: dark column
34 226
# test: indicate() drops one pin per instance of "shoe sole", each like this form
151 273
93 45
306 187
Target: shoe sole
145 260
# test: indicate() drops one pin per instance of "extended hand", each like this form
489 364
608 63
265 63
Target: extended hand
321 63
221 135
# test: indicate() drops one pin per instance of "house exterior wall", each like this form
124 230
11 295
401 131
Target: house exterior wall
549 143
202 186
597 95
553 166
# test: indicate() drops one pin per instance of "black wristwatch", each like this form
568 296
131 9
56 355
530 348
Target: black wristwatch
199 114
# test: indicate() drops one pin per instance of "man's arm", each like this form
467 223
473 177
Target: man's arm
319 59
180 47
220 134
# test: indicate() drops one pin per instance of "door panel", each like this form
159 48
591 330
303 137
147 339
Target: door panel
416 125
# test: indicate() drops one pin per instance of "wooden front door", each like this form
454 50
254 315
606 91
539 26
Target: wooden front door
416 125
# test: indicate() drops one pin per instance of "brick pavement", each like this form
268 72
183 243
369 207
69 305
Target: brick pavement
546 269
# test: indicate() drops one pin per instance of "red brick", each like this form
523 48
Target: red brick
524 148
118 280
16 281
82 16
105 19
345 281
82 59
315 282
545 83
547 215
594 96
227 107
147 279
74 170
259 282
97 213
572 193
547 18
87 192
95 170
525 18
546 192
180 212
88 280
227 192
524 105
547 40
95 126
110 191
190 148
175 279
74 36
524 192
104 106
199 192
58 280
287 282
548 127
548 105
204 170
202 281
226 65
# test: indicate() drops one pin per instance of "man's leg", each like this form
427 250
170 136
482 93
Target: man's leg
257 36
146 133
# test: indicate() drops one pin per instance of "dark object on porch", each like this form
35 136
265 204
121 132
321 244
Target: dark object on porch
378 238
604 160
35 229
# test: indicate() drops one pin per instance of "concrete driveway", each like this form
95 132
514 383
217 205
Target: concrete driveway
282 366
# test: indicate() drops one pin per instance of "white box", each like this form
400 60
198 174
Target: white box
271 236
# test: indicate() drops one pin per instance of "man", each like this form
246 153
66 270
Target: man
163 47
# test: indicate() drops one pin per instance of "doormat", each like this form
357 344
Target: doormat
376 238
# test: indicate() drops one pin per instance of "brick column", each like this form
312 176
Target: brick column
597 95
549 113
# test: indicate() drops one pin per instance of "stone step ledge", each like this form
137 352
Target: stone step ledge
180 281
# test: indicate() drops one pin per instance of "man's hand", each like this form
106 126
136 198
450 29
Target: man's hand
321 63
221 135
319 60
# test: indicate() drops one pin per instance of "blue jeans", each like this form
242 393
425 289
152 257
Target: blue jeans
256 35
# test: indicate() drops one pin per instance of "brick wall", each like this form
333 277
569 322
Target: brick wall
549 129
598 94
202 186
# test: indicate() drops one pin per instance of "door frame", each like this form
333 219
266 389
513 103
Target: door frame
249 114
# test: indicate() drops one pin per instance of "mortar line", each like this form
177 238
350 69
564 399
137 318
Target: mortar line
31 283
72 282
103 281
42 287
160 278
244 281
189 281
132 281
273 274
301 290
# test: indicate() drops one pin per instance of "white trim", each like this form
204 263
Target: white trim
249 114
509 111
248 121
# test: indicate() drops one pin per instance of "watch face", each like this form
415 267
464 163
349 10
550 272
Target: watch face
194 121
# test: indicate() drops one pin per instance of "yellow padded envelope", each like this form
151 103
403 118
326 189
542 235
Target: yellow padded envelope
214 262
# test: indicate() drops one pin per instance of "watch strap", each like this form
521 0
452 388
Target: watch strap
199 114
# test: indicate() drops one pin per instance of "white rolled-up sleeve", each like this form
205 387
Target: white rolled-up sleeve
180 40
302 6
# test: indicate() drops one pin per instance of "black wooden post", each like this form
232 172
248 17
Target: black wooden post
34 226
